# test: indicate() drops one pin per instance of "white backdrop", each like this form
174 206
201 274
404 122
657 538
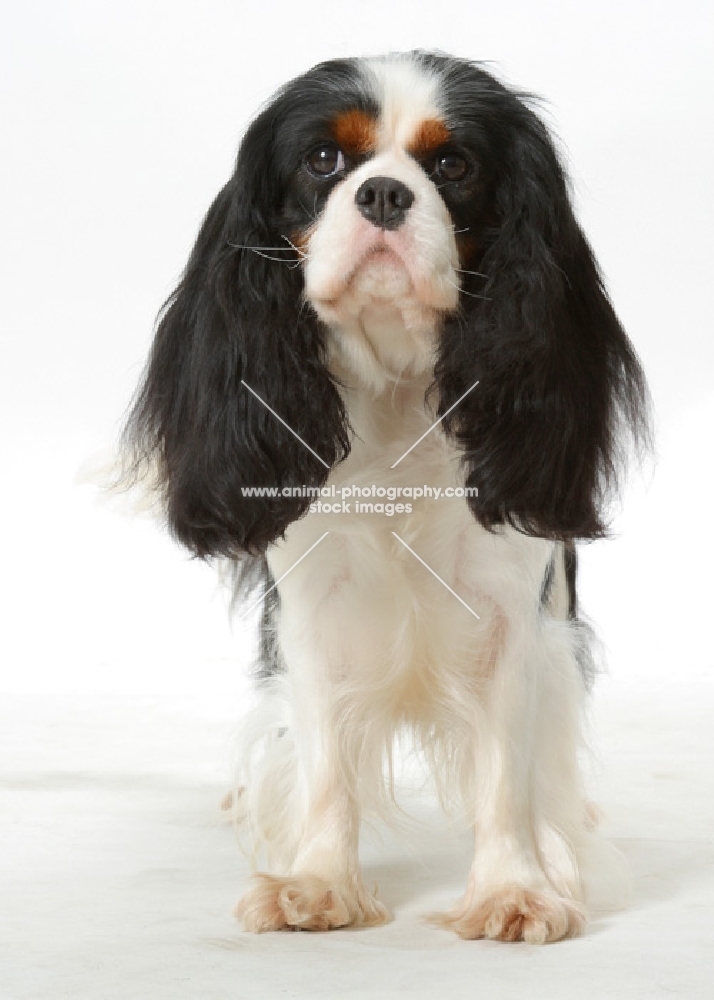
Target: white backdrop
120 677
120 121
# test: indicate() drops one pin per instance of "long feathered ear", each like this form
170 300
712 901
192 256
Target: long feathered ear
234 330
560 385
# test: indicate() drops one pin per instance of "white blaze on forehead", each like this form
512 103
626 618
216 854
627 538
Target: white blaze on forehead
408 94
383 292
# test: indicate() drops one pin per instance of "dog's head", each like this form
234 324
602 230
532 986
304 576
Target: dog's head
392 191
387 217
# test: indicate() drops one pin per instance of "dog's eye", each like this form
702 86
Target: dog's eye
324 161
452 167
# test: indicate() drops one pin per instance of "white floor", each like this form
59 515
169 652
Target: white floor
119 876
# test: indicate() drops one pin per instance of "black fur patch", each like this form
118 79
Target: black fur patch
570 557
237 317
559 382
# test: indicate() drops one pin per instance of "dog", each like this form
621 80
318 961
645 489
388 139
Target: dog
391 390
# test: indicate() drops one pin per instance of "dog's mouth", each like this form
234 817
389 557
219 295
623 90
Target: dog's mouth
380 253
379 256
380 248
386 271
380 273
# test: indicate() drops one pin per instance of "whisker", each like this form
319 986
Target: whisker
313 214
279 260
479 274
297 249
255 250
243 246
472 295
430 246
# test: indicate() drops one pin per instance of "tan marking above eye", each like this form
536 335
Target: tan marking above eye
355 132
429 136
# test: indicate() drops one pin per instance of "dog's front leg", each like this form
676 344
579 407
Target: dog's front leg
321 887
524 883
324 888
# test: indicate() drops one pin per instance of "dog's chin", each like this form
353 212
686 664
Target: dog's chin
380 285
381 277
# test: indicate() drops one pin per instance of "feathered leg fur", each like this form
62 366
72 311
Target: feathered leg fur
495 702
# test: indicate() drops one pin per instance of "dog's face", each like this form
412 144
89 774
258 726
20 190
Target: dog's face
389 180
383 186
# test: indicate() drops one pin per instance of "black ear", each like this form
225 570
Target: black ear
559 382
238 317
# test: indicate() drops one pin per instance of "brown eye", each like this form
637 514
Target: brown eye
452 167
324 161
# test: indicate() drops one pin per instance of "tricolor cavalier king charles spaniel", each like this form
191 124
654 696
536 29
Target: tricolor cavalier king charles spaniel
391 300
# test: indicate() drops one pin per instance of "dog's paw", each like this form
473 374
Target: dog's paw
306 902
515 913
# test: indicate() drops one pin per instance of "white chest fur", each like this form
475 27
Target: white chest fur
409 598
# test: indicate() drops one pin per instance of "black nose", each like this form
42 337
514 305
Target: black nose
384 201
